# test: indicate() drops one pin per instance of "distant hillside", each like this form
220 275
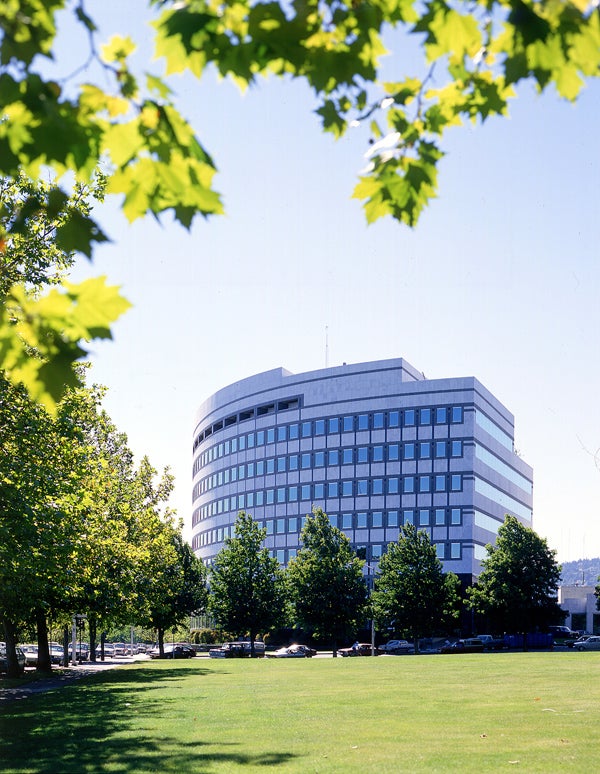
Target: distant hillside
583 572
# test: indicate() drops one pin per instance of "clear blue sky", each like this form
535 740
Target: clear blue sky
500 280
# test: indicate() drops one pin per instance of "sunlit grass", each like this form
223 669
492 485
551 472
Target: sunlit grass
534 712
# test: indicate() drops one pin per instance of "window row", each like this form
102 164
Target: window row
350 455
318 491
351 423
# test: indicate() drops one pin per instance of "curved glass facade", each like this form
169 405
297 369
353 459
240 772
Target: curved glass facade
375 445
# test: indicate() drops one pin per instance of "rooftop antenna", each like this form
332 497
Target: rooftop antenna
327 346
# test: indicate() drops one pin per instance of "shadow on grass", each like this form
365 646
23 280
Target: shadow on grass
98 724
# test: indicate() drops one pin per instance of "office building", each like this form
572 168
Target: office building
375 445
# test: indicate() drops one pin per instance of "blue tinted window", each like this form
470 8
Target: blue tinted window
378 420
281 464
425 416
319 491
424 450
234 444
270 496
440 448
409 517
424 484
457 414
363 421
281 497
280 526
271 435
320 427
361 520
269 526
306 429
293 462
409 451
440 483
292 525
293 432
348 424
377 519
456 450
319 459
377 486
260 437
441 415
270 466
393 452
393 485
333 457
334 425
260 467
440 517
409 417
305 492
346 521
392 519
347 489
362 487
292 497
305 460
250 440
424 517
378 454
455 516
282 433
332 489
408 484
456 482
250 469
394 419
347 457
362 454
260 498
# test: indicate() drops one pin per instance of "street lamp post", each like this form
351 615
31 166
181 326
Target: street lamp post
371 586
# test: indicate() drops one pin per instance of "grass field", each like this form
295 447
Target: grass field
528 712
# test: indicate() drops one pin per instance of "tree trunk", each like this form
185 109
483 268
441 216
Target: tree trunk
334 648
44 663
252 636
161 641
66 641
10 636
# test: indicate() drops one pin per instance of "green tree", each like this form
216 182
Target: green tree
328 593
175 588
247 591
412 593
40 332
518 585
472 56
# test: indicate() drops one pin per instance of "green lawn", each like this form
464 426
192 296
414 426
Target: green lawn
533 712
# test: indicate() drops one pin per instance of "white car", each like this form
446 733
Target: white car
588 643
397 646
293 651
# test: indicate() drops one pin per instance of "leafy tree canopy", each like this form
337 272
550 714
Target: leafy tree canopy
412 593
328 593
518 585
247 593
472 57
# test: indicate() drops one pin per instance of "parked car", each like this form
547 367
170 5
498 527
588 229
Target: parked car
358 649
177 650
293 651
581 638
469 645
588 642
397 646
31 654
492 643
21 660
237 650
82 651
562 635
57 654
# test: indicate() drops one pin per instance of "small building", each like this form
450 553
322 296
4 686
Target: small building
580 604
